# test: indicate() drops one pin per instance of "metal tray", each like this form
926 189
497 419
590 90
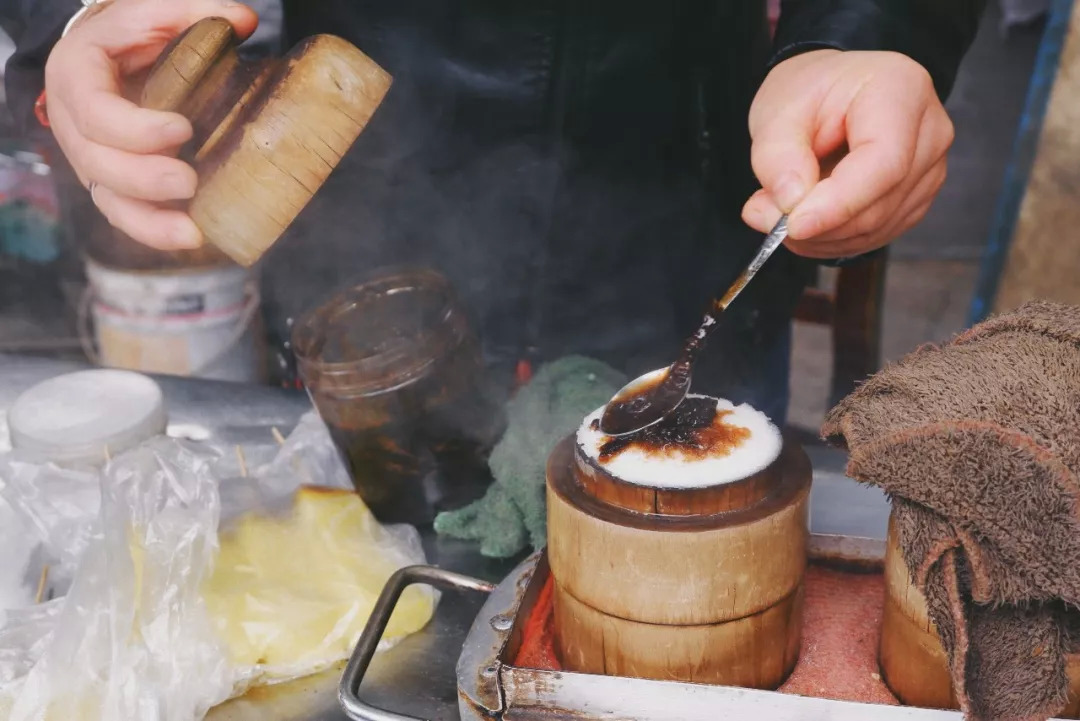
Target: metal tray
490 687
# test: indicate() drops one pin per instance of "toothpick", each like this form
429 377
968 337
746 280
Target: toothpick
41 583
243 463
296 464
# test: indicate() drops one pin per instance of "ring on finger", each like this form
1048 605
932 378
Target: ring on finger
93 190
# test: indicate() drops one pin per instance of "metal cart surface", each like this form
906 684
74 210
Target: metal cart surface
417 678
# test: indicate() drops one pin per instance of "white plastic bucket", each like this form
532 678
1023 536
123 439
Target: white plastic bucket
196 323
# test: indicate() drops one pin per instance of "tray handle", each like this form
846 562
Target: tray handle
348 692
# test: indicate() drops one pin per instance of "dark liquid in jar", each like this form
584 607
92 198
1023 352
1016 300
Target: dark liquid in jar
695 430
414 422
422 455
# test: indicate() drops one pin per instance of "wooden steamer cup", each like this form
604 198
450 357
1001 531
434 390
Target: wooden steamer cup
914 664
267 133
698 585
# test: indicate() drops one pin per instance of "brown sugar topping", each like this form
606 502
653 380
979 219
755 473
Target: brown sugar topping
695 430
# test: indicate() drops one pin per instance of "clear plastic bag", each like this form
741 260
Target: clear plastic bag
307 457
172 611
132 639
52 511
14 561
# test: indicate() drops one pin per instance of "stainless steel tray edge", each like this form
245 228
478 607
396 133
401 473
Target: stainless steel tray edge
498 624
535 695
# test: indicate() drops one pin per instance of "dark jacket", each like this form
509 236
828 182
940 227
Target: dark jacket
577 169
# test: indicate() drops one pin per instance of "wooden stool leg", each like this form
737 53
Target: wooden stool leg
860 292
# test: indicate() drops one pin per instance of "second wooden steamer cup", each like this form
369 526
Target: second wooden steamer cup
914 664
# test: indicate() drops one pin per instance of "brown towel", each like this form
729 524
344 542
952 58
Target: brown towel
978 444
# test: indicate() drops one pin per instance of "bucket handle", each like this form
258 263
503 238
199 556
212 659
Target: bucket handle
349 691
252 299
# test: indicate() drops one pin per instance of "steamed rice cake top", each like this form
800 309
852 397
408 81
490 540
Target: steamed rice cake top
711 443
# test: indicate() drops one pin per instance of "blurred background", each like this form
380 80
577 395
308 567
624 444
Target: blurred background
934 281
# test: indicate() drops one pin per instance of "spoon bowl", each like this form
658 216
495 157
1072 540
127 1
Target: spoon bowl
645 401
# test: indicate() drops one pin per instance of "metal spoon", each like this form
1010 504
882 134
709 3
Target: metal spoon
648 399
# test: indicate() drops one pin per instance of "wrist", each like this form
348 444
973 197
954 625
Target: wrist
804 55
798 49
934 34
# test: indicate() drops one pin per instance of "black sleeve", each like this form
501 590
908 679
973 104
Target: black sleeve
39 24
934 33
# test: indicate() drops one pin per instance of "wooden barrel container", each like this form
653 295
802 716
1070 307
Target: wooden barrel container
914 664
267 133
699 585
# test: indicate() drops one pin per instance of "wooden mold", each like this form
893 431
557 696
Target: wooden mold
914 664
701 585
268 133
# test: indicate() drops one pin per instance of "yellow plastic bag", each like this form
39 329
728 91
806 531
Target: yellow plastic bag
290 595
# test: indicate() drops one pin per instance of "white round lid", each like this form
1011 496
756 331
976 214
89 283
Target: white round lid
75 417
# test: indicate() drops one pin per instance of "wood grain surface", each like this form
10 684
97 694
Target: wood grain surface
678 570
267 134
598 483
757 651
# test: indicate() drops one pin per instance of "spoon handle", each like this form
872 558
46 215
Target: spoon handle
695 342
772 242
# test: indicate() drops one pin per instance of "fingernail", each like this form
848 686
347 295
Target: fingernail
750 214
177 129
186 236
789 191
179 186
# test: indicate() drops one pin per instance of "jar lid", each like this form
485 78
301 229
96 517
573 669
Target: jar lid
379 335
76 418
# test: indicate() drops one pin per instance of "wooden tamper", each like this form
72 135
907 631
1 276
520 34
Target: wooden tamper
267 133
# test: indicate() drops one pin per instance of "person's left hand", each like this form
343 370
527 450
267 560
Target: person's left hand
851 144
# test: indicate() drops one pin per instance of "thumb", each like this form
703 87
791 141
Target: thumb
783 159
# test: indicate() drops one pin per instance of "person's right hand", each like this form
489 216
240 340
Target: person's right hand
127 151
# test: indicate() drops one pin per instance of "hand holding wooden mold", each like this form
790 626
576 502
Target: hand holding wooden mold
267 134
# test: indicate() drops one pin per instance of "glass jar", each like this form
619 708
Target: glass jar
396 373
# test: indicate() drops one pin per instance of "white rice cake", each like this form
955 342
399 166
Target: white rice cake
672 469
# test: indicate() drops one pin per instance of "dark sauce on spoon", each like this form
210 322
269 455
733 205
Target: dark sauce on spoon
649 402
694 430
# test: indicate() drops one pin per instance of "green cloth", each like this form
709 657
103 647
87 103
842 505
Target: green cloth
551 406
